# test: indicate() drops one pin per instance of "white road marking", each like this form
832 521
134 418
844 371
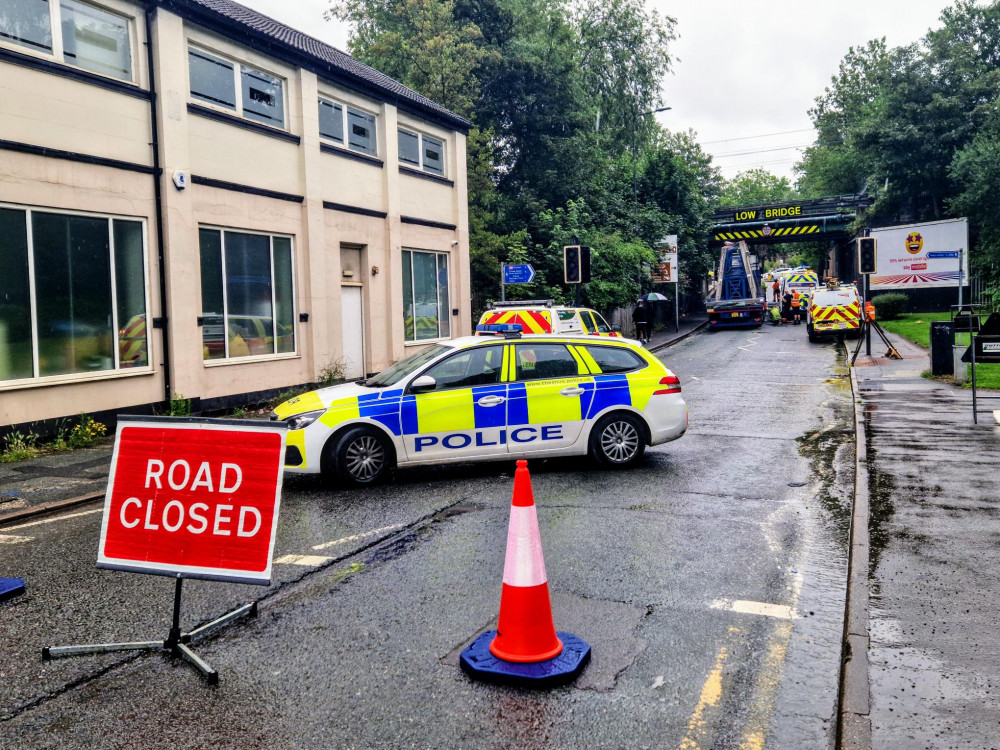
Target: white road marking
57 518
12 539
359 536
658 682
778 611
309 561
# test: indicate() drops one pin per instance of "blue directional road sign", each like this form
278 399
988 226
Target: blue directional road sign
946 254
522 273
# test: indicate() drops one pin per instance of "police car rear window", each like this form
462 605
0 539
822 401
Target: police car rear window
543 361
615 358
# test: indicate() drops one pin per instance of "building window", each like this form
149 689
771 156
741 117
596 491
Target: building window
249 92
72 295
26 22
95 39
425 296
336 119
247 294
88 37
421 152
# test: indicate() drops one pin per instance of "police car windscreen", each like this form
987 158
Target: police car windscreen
396 372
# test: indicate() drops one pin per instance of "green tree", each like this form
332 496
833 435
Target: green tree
755 187
623 49
420 43
680 181
556 92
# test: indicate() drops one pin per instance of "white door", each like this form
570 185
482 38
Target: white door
353 323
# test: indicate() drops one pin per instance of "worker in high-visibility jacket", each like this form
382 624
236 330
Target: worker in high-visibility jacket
869 312
796 307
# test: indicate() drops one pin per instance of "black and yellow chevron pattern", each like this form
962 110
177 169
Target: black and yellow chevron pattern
780 232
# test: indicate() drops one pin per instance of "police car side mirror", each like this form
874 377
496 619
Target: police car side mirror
616 328
422 384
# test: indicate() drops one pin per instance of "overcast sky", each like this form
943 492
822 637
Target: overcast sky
745 72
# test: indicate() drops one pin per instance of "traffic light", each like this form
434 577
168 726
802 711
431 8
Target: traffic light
571 264
867 254
576 264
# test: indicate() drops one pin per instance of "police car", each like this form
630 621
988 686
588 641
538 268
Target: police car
482 399
543 316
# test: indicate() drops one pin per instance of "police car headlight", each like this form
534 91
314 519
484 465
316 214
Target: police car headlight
303 420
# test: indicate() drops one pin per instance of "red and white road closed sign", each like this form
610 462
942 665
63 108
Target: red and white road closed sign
195 497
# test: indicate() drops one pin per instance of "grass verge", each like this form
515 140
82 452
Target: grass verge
916 327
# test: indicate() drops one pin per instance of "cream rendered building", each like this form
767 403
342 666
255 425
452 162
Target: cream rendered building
222 212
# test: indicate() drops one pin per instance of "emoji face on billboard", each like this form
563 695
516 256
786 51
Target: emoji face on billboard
914 243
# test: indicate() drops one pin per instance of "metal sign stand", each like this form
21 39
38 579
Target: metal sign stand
866 328
968 314
176 641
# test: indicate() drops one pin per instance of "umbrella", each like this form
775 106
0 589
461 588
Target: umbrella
653 297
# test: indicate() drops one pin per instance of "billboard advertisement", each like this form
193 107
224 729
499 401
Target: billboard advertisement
922 256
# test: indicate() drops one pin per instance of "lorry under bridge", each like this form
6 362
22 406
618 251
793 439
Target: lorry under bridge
815 219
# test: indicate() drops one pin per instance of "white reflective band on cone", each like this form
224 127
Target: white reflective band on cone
524 565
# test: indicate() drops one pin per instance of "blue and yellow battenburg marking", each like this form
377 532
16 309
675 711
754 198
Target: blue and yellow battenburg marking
531 410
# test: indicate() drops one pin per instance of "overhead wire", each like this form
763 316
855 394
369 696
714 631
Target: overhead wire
761 150
765 135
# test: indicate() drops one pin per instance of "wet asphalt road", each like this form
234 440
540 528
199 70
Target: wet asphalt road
709 582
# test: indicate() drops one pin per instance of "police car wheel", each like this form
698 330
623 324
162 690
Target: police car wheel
362 456
618 440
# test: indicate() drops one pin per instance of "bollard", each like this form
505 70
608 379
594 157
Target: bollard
961 370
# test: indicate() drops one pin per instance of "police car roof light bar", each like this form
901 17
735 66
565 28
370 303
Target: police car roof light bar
526 303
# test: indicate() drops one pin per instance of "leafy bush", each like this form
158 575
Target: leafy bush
87 433
179 406
889 306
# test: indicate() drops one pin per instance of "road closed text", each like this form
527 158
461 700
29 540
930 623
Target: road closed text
197 517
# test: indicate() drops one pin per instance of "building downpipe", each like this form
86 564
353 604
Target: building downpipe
158 192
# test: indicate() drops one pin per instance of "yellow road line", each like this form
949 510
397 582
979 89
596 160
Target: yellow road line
767 689
711 694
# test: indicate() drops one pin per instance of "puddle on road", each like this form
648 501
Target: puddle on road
830 451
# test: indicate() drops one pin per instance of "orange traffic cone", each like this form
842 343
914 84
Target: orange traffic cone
525 649
525 632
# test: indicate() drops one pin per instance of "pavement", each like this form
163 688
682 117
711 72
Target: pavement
922 661
923 664
688 325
